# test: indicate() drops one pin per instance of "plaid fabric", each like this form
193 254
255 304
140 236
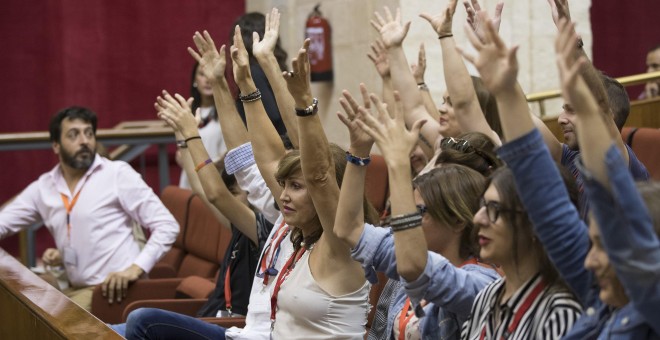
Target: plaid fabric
379 328
239 158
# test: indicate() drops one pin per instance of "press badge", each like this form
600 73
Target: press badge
69 256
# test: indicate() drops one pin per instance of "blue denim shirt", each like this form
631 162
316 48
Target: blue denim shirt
450 291
634 250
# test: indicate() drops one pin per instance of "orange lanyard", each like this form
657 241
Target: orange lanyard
286 270
69 206
404 318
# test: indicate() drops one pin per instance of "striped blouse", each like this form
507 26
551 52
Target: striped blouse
535 311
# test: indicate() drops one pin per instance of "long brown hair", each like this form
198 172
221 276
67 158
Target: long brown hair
290 165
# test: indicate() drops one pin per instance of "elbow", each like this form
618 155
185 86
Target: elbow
410 270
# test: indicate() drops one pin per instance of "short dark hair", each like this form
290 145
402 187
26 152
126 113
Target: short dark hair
72 112
617 99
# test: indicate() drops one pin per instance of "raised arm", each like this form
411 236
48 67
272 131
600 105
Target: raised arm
263 52
349 221
318 169
459 83
396 142
176 112
266 142
418 71
378 56
591 76
393 33
213 63
555 220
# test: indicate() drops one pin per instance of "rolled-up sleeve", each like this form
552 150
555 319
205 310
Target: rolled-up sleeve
375 251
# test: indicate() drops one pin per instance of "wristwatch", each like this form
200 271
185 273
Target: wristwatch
181 144
310 110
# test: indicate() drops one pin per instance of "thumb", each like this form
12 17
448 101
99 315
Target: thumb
255 38
417 126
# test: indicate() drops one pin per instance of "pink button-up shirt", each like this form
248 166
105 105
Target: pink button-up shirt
112 195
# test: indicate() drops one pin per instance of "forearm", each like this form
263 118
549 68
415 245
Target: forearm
349 222
411 98
410 244
514 113
285 102
429 104
461 90
266 142
233 130
592 132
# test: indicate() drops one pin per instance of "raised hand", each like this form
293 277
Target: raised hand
442 21
265 47
560 11
392 32
475 21
419 68
569 67
175 111
497 64
298 80
240 58
359 138
379 58
395 141
211 62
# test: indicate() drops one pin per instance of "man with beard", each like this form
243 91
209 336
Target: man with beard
88 204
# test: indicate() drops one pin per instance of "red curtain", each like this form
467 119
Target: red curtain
623 33
111 56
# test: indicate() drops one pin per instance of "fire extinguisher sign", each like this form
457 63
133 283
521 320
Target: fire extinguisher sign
317 30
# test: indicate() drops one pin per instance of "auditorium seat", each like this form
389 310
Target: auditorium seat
644 143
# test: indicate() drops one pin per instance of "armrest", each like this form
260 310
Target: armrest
139 290
226 322
196 287
182 306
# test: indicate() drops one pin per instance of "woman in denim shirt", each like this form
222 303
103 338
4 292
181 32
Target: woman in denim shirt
625 306
447 227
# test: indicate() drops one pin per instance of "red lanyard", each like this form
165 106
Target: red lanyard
227 280
521 311
286 270
68 207
266 270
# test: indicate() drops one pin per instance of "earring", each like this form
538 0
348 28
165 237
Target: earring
195 84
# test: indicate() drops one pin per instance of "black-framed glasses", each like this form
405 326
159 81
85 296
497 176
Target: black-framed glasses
493 209
422 209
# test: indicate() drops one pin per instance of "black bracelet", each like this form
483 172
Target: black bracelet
407 221
250 97
446 35
310 110
190 138
359 161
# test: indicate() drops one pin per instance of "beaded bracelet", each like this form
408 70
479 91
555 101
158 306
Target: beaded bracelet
203 164
359 161
407 221
250 97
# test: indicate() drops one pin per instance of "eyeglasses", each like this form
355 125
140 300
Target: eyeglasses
567 108
493 209
422 209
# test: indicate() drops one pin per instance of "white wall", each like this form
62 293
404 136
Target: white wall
525 22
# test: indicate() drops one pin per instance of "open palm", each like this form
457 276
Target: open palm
392 32
211 62
266 46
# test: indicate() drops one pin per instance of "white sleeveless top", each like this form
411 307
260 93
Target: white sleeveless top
306 311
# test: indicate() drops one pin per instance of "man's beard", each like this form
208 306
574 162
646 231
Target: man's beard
82 159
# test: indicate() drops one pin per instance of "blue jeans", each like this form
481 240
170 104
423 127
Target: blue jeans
153 323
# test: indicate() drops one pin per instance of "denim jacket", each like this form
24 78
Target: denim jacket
629 238
450 291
